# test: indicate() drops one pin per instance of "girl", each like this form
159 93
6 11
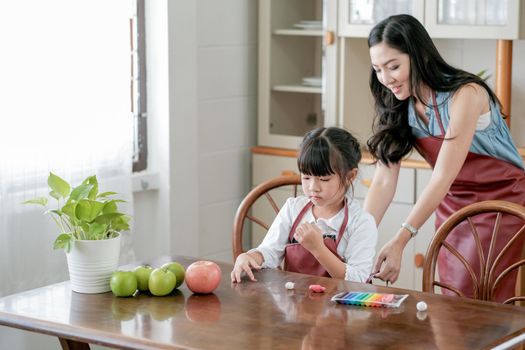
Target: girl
453 119
324 232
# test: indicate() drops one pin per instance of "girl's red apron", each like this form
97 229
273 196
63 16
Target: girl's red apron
299 259
480 178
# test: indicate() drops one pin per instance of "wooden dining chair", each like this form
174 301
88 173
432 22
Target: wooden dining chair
486 281
261 193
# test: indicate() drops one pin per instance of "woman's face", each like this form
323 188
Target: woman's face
392 69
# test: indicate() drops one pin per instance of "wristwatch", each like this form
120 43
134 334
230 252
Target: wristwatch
410 228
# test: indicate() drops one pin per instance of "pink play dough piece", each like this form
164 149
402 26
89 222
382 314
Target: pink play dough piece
316 288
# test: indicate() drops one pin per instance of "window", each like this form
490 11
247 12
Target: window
138 87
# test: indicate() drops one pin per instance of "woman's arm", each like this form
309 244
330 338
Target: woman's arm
382 190
467 105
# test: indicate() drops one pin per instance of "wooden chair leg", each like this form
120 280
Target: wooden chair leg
68 344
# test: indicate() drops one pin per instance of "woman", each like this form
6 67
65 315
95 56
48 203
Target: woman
453 119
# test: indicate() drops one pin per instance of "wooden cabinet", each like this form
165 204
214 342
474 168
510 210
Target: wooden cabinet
466 19
314 63
475 19
357 17
297 69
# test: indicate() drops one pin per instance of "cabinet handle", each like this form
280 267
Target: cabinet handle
329 38
419 260
366 182
288 173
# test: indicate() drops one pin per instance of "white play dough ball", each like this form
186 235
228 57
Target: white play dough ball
289 285
421 306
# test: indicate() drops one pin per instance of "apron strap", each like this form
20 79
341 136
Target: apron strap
302 213
298 220
436 112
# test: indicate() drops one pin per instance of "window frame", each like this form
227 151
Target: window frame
138 87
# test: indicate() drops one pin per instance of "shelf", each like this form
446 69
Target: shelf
298 32
298 88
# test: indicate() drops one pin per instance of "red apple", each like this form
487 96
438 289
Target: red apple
203 276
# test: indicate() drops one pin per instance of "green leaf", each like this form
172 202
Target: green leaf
40 201
97 230
121 223
83 210
110 207
69 209
63 241
84 226
80 192
88 210
108 218
58 185
483 74
94 191
55 195
106 194
91 180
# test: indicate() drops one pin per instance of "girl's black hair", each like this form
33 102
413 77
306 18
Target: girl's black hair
392 137
329 151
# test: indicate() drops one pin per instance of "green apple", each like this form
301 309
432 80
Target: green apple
123 283
161 282
142 273
178 271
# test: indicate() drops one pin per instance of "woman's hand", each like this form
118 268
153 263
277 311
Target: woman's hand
388 261
309 236
245 262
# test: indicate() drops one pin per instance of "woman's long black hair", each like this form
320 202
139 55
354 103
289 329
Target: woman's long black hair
392 137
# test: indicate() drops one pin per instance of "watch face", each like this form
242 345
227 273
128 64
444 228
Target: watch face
409 228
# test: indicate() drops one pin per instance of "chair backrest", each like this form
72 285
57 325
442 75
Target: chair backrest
487 280
261 192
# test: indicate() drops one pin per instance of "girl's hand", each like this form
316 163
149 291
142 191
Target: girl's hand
388 261
244 263
309 236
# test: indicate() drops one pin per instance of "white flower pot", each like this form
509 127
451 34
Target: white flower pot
91 263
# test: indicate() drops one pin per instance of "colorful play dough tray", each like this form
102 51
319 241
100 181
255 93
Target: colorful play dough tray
369 299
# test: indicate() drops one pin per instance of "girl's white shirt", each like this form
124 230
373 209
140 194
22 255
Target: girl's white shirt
357 246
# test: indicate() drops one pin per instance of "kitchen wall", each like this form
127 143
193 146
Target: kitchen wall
202 124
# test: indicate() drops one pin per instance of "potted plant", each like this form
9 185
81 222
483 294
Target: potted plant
90 225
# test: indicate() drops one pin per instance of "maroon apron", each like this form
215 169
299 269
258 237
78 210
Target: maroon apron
299 259
480 178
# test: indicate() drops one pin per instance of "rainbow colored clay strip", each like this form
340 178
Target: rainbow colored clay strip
369 299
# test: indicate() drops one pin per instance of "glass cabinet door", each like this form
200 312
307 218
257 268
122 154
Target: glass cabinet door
357 17
297 67
483 19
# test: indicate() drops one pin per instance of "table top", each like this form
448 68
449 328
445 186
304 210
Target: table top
261 314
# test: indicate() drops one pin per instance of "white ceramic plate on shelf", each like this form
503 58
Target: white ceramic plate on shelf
312 81
306 24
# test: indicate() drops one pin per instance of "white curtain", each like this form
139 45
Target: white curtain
65 108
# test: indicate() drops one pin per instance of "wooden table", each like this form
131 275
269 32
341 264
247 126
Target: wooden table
261 315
